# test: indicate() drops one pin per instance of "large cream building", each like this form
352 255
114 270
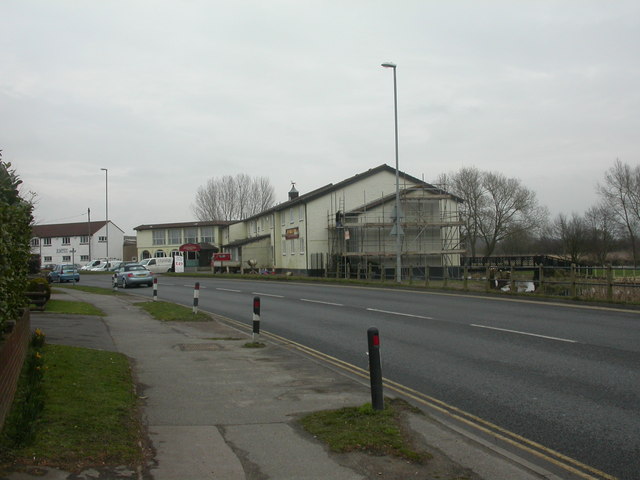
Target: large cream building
343 226
338 228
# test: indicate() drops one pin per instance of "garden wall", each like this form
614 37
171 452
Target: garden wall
13 349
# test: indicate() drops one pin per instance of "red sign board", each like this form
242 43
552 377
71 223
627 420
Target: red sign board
222 257
190 247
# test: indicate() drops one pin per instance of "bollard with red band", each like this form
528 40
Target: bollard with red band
155 289
196 296
375 369
256 318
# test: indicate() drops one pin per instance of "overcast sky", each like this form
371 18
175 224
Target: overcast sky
167 94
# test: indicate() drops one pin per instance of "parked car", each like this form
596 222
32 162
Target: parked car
63 273
115 265
131 274
110 266
158 264
92 264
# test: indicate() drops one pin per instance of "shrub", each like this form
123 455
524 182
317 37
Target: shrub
39 285
15 234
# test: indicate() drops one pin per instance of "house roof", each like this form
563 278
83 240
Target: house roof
333 187
68 229
212 223
391 197
246 241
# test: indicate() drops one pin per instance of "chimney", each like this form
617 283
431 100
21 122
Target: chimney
293 193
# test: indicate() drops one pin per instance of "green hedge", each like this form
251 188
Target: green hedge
15 235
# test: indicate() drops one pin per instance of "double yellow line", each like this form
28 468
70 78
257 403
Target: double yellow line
533 448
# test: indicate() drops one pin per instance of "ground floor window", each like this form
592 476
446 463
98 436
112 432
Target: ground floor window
66 258
47 259
159 254
146 254
84 258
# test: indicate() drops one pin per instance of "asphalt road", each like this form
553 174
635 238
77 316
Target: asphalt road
567 377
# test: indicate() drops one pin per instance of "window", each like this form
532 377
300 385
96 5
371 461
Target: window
84 258
66 258
159 254
102 239
47 258
46 242
282 218
191 235
284 247
206 233
159 237
272 221
175 236
66 240
301 213
84 239
301 245
291 215
146 254
293 246
35 242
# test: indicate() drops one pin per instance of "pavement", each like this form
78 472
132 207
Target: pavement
216 410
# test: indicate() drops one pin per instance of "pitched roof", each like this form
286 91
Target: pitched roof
332 187
212 223
68 229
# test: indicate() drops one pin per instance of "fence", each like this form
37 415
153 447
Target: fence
619 284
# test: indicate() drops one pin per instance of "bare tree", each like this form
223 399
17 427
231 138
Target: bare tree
233 198
601 225
495 207
573 235
621 193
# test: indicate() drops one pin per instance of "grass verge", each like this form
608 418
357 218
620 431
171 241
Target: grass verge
72 307
88 289
170 312
89 417
365 429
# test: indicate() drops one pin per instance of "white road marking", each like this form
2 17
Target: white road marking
193 286
526 333
229 290
267 295
399 313
320 301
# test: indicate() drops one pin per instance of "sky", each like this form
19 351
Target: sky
168 94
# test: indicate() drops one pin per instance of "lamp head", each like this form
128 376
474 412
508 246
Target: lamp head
389 65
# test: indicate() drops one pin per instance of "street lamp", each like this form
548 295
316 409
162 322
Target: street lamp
398 227
106 204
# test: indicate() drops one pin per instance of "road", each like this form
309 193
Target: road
567 377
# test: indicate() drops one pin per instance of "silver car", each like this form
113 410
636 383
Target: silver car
131 274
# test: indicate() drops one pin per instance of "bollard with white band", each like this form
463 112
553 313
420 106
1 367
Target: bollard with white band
196 295
155 289
256 319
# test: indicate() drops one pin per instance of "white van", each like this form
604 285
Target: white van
157 264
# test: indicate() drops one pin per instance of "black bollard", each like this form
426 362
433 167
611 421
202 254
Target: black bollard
256 318
375 370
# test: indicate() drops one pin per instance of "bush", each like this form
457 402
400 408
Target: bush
15 252
39 285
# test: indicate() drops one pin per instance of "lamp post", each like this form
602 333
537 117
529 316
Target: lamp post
398 227
106 205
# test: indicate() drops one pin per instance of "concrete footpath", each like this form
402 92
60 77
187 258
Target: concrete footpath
216 410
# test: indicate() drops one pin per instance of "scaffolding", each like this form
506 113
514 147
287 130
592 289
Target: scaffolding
364 237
